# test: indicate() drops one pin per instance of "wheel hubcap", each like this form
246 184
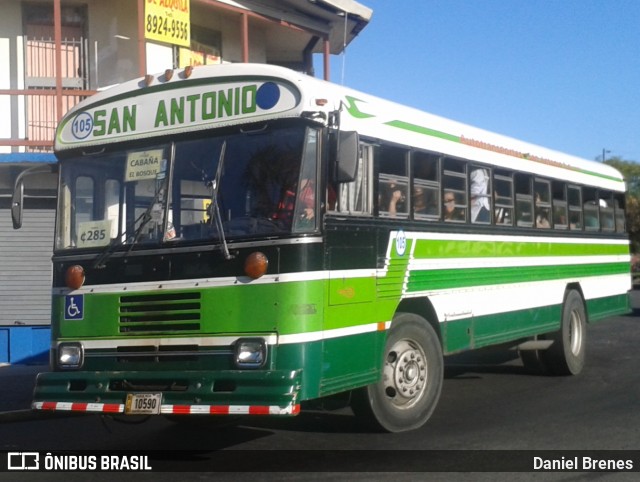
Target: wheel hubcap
575 333
405 374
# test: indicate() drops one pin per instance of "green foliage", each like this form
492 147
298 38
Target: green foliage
631 173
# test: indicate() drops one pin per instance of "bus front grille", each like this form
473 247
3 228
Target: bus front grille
166 312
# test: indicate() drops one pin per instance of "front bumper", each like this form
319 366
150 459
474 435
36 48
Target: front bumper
227 392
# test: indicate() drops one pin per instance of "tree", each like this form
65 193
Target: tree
631 172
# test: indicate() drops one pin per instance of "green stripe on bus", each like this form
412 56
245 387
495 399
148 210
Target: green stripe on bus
437 279
422 130
478 249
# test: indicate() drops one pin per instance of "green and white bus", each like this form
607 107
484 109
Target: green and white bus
238 239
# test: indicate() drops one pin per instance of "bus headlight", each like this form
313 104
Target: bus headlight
250 353
70 355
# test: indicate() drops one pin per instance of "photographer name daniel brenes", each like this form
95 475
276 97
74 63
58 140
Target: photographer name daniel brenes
581 464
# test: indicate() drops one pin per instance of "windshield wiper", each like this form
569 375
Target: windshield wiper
144 219
215 186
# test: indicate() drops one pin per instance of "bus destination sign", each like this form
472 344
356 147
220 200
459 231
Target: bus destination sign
177 110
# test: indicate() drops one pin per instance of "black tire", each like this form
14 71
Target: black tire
566 355
411 380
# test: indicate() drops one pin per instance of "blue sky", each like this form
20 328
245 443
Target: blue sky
564 74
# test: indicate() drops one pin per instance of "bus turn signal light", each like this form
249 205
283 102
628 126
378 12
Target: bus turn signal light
256 265
74 277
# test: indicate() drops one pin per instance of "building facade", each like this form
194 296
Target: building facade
54 53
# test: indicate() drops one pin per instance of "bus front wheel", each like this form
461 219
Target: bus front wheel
407 393
566 355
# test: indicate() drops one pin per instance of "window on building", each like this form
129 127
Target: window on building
205 49
40 64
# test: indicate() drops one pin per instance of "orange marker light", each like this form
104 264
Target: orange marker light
256 265
74 277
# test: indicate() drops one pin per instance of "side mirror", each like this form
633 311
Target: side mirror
17 202
346 155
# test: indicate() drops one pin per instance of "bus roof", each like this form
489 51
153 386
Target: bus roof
230 94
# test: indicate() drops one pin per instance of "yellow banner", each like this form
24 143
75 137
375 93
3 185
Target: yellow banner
168 21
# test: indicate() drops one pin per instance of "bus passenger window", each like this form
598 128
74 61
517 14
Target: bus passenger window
618 202
479 191
425 194
543 204
353 197
591 210
524 201
605 202
575 207
393 181
454 183
503 193
559 205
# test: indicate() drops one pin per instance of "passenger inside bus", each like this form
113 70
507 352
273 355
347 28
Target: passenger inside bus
542 214
422 205
305 216
392 199
451 212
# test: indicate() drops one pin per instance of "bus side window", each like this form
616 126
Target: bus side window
560 218
503 193
575 207
479 189
524 201
605 201
543 203
591 209
393 181
454 192
425 193
354 197
618 201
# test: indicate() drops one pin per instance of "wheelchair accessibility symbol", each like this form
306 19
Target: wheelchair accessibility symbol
74 307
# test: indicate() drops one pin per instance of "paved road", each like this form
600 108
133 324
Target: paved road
488 402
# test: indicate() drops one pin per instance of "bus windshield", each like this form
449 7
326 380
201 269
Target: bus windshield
248 184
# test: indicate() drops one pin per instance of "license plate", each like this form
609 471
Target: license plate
143 403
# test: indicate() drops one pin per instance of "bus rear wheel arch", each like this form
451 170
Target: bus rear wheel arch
411 381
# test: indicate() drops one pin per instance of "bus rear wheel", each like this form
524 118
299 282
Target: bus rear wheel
411 380
566 355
